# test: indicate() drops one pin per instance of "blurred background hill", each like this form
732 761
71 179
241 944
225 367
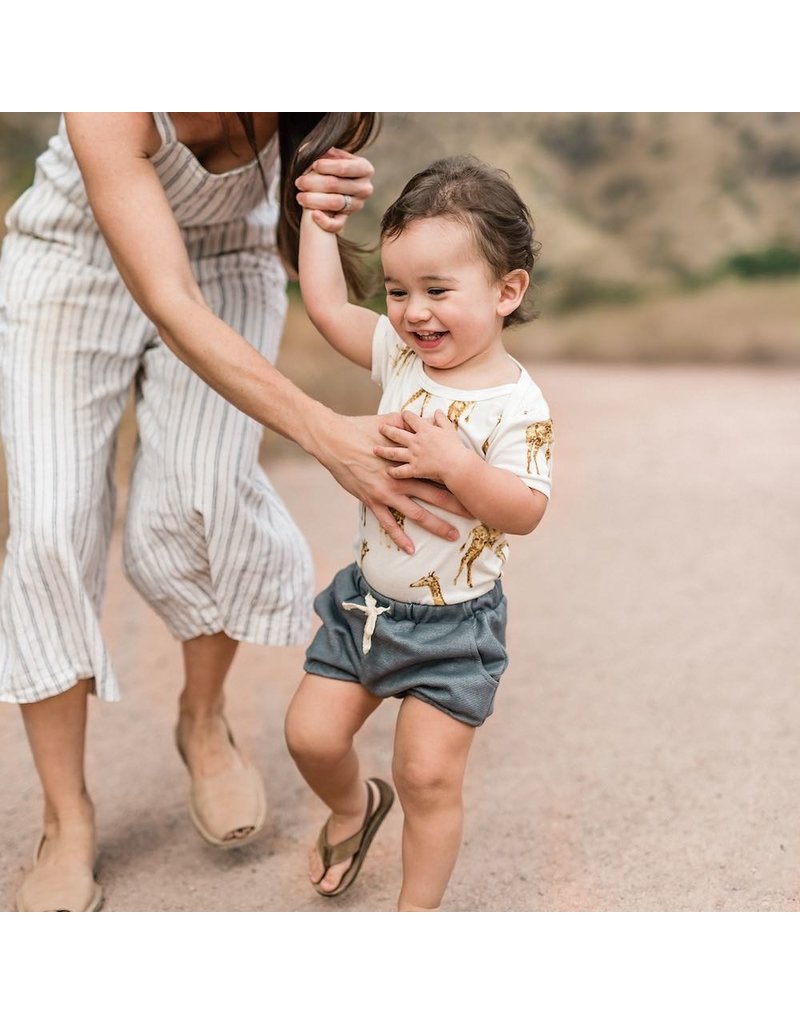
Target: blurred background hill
634 199
666 236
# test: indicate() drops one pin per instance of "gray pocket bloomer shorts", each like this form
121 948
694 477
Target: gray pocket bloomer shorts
450 656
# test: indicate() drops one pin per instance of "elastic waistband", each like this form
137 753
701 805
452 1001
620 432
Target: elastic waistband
429 612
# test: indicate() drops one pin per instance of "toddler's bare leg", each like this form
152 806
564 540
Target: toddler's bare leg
430 756
323 717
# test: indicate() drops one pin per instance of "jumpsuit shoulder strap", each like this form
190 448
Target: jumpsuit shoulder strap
166 129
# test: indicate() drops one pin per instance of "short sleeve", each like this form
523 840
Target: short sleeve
387 350
522 443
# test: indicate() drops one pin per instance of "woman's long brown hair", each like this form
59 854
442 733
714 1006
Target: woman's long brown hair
302 139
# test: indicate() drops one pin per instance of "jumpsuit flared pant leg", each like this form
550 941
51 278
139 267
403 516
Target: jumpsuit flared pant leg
208 543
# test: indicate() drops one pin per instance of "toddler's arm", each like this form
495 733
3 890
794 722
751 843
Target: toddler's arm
345 326
430 449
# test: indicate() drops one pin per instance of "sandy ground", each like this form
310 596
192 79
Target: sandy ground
645 750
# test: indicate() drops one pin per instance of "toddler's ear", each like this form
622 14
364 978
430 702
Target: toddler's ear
512 290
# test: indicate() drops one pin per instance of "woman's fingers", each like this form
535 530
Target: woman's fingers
339 164
357 165
340 183
330 202
334 176
423 518
360 188
390 525
435 495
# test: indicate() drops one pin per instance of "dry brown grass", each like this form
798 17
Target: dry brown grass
730 322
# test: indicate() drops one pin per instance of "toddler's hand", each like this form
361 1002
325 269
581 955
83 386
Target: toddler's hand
427 449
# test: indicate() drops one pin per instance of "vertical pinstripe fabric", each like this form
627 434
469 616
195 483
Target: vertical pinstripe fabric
208 543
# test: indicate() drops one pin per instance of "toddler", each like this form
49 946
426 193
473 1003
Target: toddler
457 249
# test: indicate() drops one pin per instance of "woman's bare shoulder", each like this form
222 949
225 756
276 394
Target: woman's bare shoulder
135 132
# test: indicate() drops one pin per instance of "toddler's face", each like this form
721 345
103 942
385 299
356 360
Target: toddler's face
441 296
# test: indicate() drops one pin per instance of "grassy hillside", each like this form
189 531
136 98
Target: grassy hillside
648 194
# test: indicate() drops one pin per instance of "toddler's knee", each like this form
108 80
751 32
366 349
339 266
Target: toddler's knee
310 743
422 781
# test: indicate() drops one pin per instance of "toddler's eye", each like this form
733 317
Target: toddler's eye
396 293
436 291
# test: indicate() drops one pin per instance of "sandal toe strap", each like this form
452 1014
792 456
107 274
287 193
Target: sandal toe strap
338 852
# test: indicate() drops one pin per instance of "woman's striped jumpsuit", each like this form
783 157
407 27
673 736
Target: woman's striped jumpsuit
207 541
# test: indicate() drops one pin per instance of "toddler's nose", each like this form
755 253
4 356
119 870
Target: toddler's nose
417 311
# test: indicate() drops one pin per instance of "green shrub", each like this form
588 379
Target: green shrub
776 261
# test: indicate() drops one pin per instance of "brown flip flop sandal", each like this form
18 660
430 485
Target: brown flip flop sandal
355 846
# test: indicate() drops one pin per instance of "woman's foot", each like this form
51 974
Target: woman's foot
206 745
62 877
228 801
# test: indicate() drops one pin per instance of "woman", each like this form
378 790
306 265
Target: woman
145 233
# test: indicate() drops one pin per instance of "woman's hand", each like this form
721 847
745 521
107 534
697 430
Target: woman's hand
336 185
345 447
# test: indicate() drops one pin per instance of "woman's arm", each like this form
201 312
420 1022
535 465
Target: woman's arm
133 213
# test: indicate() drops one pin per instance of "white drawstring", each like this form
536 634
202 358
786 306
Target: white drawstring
371 610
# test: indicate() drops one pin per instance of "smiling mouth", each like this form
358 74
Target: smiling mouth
428 339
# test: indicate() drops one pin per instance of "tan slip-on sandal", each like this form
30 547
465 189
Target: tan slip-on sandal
227 803
56 887
355 846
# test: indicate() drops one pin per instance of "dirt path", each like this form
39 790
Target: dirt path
645 750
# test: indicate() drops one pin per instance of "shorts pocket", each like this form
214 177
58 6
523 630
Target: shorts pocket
489 635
